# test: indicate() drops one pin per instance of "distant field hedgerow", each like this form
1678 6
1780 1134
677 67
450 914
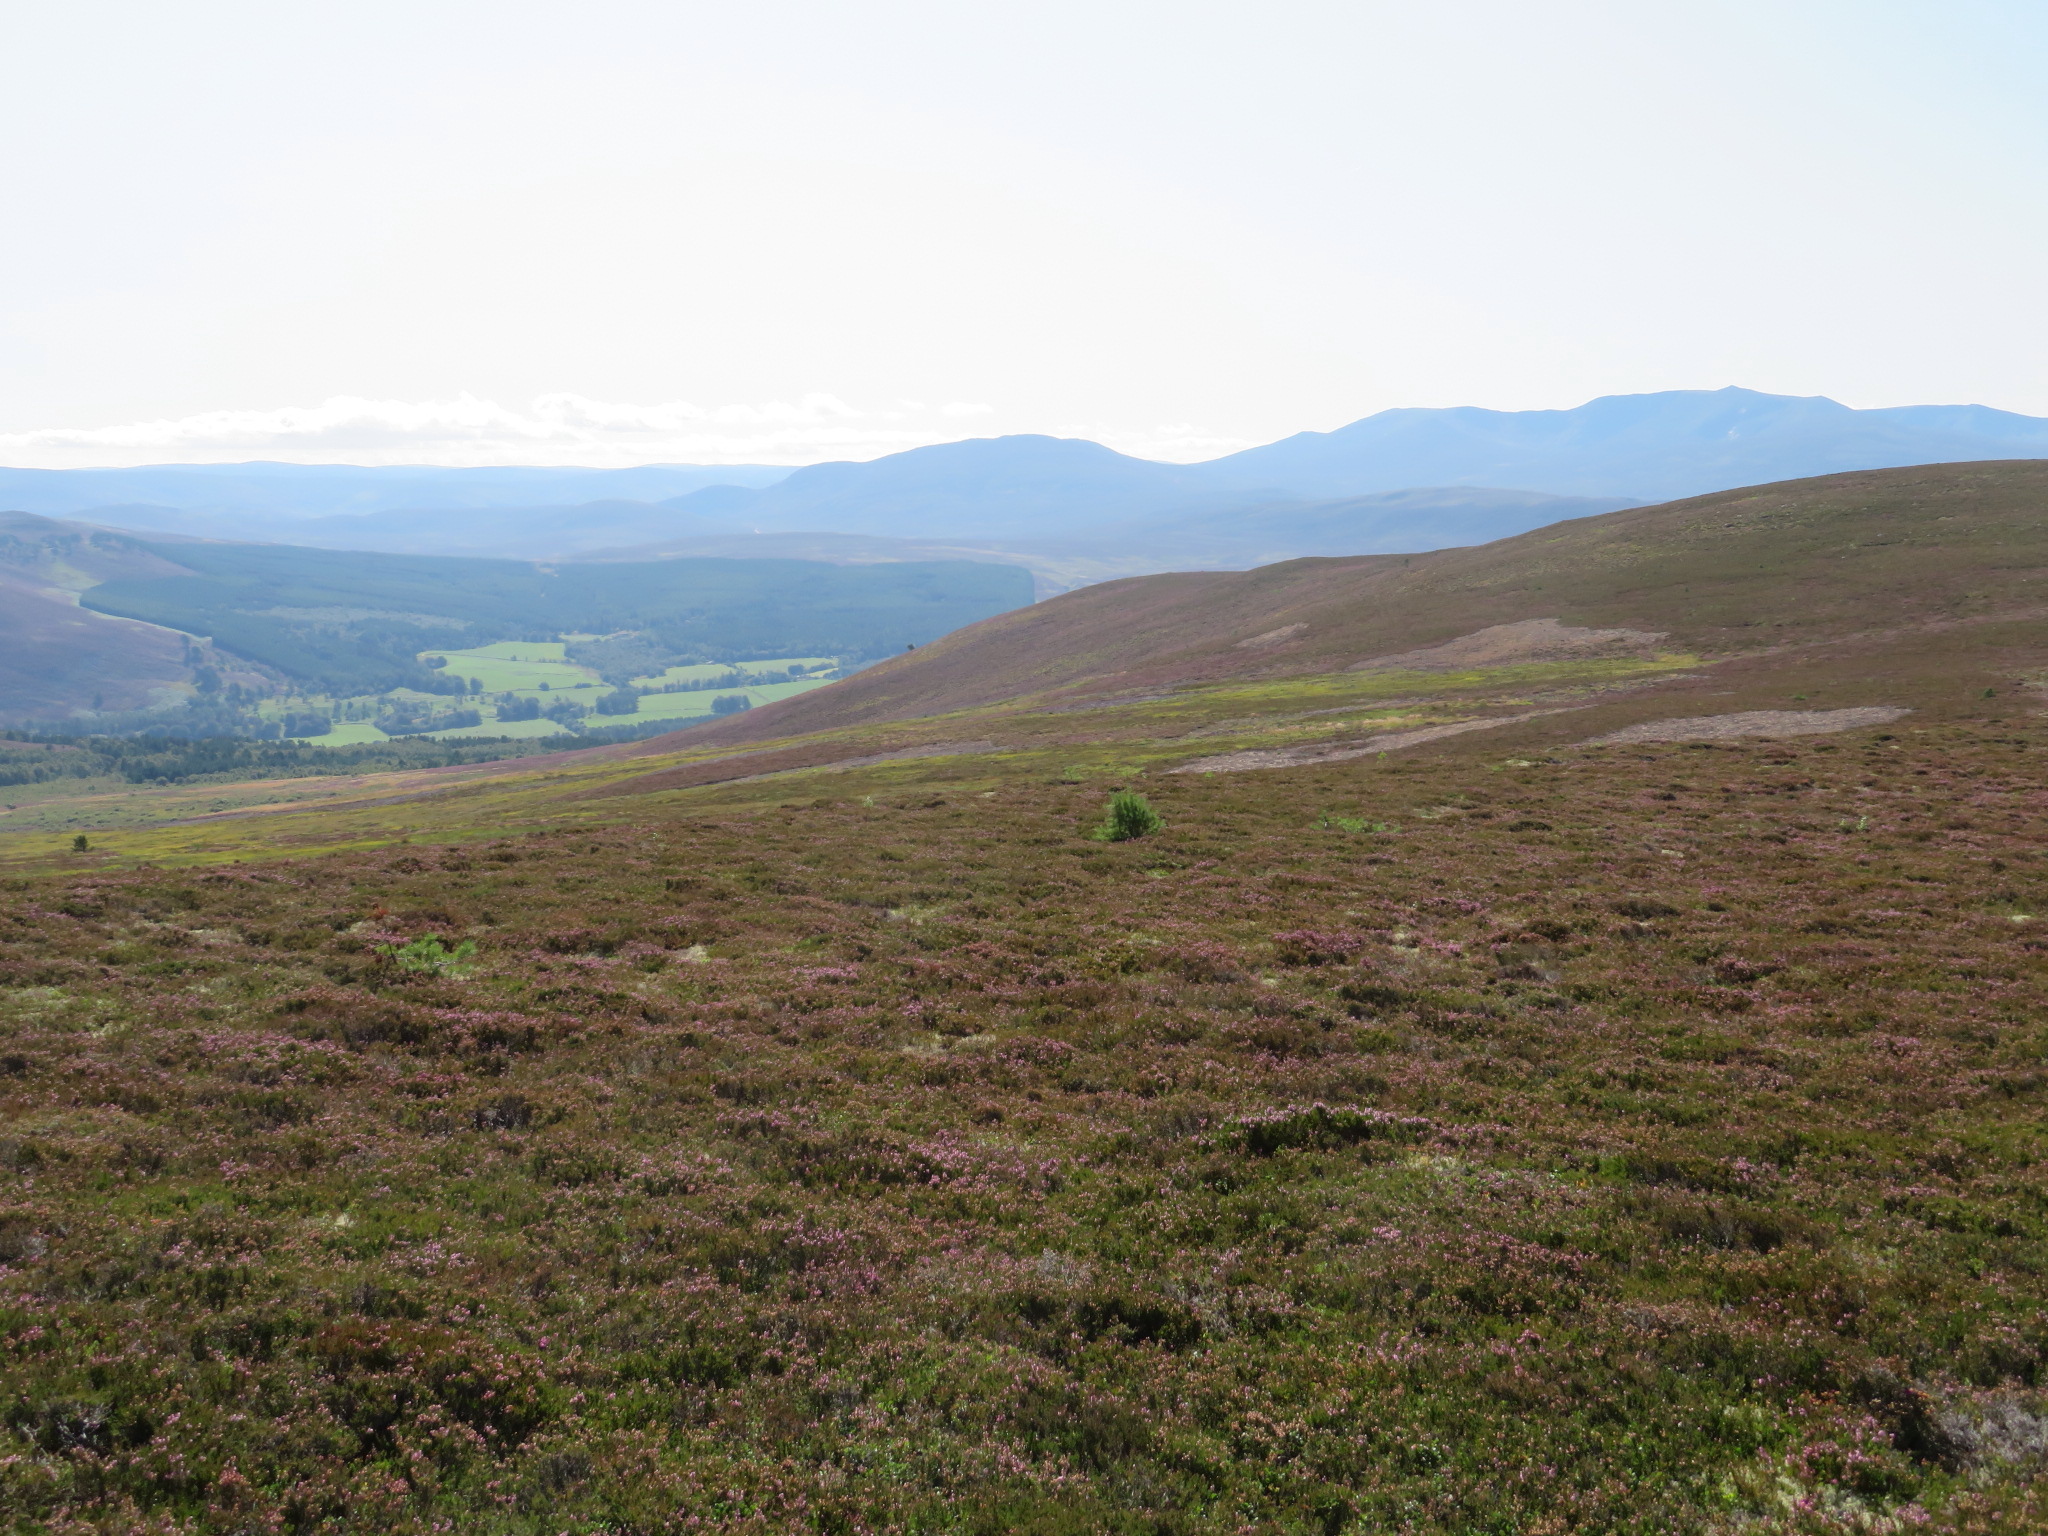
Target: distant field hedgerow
1642 1141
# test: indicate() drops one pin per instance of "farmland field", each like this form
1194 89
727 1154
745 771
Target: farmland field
511 664
541 671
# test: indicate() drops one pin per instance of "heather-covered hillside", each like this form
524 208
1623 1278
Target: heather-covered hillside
1555 1045
1807 561
1622 1140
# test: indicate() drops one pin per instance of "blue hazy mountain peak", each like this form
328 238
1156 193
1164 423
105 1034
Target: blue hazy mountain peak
1023 485
1652 447
1642 447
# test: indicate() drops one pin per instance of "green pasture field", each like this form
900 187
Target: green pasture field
521 668
348 733
709 670
513 666
520 650
684 706
673 706
518 730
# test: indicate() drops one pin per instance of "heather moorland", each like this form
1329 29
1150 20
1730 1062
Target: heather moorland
1465 1112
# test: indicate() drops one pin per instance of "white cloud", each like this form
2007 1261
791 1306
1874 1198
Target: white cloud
1173 442
466 430
565 428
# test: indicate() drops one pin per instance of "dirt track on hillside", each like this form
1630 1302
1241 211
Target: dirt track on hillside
1339 751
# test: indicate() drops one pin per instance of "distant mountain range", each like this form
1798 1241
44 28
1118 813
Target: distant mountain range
1233 538
1074 511
318 490
509 532
1657 447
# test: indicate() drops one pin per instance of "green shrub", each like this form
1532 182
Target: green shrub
431 955
1129 816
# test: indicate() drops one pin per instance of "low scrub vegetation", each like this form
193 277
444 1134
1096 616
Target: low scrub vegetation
1641 1140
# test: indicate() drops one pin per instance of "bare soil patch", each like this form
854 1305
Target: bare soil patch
1278 636
1506 644
1754 722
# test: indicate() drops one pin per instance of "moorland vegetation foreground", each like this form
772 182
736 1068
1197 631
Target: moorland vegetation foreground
1469 1112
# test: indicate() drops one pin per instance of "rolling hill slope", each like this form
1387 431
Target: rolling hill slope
56 655
1596 1087
1725 574
101 623
1229 540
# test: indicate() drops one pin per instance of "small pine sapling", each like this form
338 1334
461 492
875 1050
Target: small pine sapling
1129 816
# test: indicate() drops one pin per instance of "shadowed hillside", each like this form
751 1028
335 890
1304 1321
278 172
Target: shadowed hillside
57 654
1237 539
111 632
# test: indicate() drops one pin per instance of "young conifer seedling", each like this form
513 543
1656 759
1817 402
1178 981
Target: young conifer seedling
1129 816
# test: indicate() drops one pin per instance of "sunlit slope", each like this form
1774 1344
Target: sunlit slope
1721 575
1913 591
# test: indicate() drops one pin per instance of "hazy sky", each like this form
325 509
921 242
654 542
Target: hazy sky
615 232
